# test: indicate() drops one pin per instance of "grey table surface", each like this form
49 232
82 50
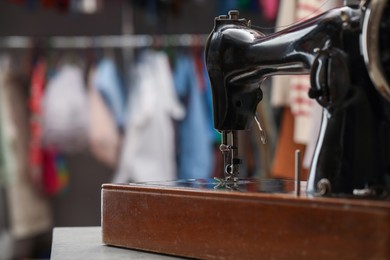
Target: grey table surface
86 243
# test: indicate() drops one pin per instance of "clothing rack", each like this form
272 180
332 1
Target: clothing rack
112 41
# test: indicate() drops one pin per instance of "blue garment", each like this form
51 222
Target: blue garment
215 135
107 82
148 151
195 145
224 6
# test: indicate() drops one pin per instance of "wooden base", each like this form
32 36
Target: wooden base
213 224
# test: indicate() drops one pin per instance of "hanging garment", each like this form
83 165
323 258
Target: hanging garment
55 174
52 176
104 139
301 104
65 114
284 161
148 152
292 91
280 84
214 134
29 212
269 9
224 6
267 119
49 172
107 81
307 112
195 144
312 128
301 107
313 135
35 105
8 163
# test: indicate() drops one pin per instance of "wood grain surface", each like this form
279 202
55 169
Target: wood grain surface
243 225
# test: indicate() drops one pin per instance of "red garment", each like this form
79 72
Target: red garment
55 175
269 9
62 173
35 105
47 167
49 176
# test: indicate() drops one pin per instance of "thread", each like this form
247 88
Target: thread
318 10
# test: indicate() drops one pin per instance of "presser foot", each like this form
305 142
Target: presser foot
226 183
229 149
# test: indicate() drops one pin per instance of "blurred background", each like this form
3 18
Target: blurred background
97 91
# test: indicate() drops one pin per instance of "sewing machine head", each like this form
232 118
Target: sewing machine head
345 51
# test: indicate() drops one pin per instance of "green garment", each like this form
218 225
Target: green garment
8 135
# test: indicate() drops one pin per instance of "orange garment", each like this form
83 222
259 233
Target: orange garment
284 160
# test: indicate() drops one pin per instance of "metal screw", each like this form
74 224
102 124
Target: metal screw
234 14
324 187
297 173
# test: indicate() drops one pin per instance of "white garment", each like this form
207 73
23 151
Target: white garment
65 110
301 107
289 13
293 90
313 133
301 104
149 147
280 83
307 112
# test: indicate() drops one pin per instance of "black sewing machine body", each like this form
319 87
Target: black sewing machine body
352 155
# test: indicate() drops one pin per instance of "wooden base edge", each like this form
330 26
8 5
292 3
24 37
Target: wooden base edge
229 225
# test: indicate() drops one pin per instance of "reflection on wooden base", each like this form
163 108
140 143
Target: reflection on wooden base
243 225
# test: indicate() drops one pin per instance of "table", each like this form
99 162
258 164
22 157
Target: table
86 243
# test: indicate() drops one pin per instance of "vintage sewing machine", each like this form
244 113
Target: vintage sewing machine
345 211
338 50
